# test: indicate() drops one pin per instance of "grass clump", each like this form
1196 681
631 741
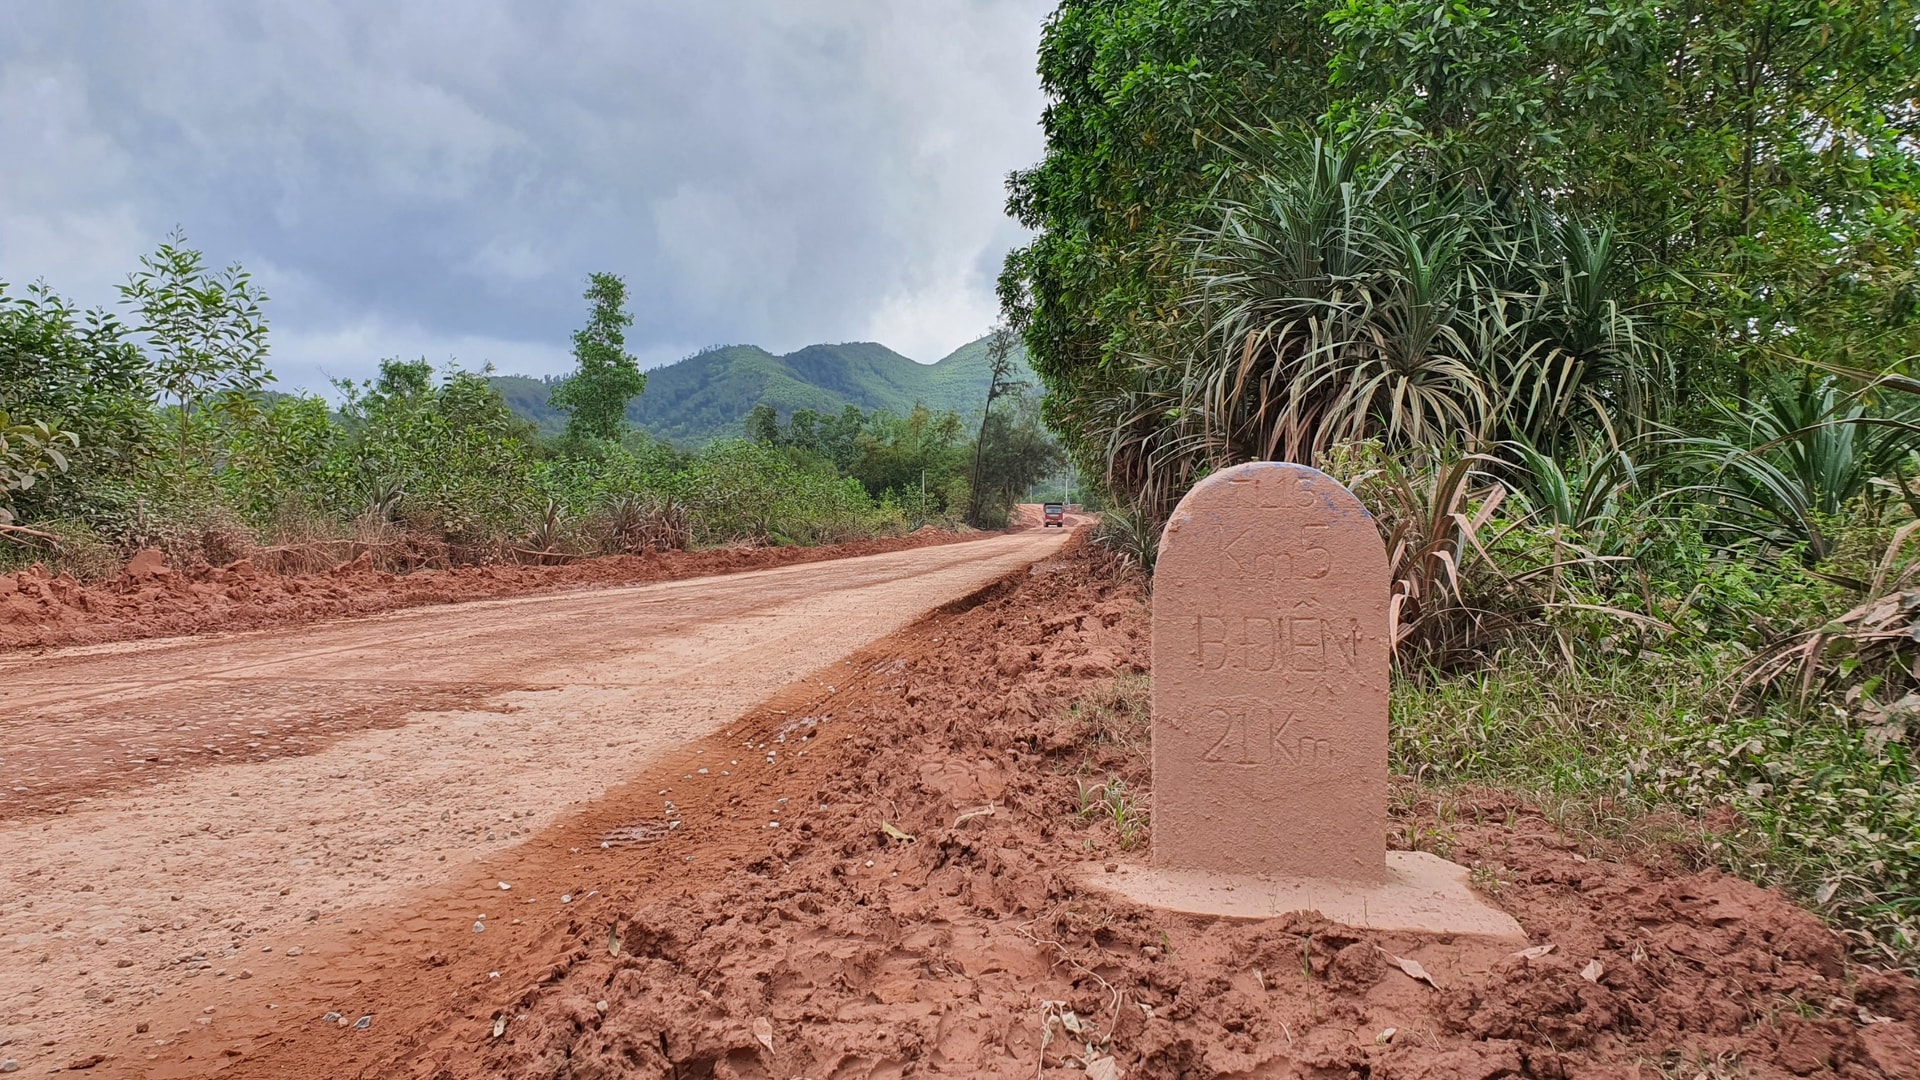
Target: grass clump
1815 802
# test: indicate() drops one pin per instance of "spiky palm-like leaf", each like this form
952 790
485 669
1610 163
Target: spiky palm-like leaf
1340 296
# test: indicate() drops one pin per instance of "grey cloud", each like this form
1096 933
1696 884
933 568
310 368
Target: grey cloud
433 176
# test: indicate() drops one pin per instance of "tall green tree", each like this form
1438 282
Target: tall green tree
206 335
1000 380
1760 153
596 395
1015 453
763 425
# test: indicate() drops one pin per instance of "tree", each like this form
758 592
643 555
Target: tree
205 331
899 454
763 425
78 372
595 396
1015 453
835 438
1000 380
1756 156
29 451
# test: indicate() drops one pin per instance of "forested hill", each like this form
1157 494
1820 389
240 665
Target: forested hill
707 395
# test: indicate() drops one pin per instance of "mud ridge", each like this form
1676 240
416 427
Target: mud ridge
150 599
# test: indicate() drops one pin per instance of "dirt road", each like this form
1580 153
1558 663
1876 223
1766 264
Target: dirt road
178 813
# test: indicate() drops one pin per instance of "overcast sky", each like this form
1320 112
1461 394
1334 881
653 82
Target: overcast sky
438 179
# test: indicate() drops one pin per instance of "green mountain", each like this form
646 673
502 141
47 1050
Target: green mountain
708 395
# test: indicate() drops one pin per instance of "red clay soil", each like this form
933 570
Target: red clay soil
913 912
149 599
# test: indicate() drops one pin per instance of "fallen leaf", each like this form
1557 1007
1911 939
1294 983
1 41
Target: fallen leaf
890 830
1071 1021
1386 1035
984 811
1103 1068
1414 970
763 1031
1592 971
1534 953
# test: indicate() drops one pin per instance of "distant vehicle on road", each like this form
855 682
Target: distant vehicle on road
1054 514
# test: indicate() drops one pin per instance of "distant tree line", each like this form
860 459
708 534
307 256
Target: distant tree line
155 424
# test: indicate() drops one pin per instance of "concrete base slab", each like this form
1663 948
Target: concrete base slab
1423 892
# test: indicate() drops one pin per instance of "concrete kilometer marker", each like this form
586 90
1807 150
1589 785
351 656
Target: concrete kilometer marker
1270 661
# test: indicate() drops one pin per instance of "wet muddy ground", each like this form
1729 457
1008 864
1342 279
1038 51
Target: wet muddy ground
898 901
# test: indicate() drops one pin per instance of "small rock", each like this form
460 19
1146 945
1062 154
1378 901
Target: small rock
9 1065
330 1018
504 886
601 1005
246 973
141 1027
295 951
479 927
363 1023
566 898
87 1062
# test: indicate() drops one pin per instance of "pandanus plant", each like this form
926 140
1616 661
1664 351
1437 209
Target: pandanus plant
1338 295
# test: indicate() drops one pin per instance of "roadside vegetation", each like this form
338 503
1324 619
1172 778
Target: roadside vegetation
155 425
1607 311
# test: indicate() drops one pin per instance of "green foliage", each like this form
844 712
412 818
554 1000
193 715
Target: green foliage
1015 453
206 335
596 395
741 491
834 438
29 451
416 466
1796 459
1754 155
1822 805
1001 380
79 372
1341 298
451 453
901 453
